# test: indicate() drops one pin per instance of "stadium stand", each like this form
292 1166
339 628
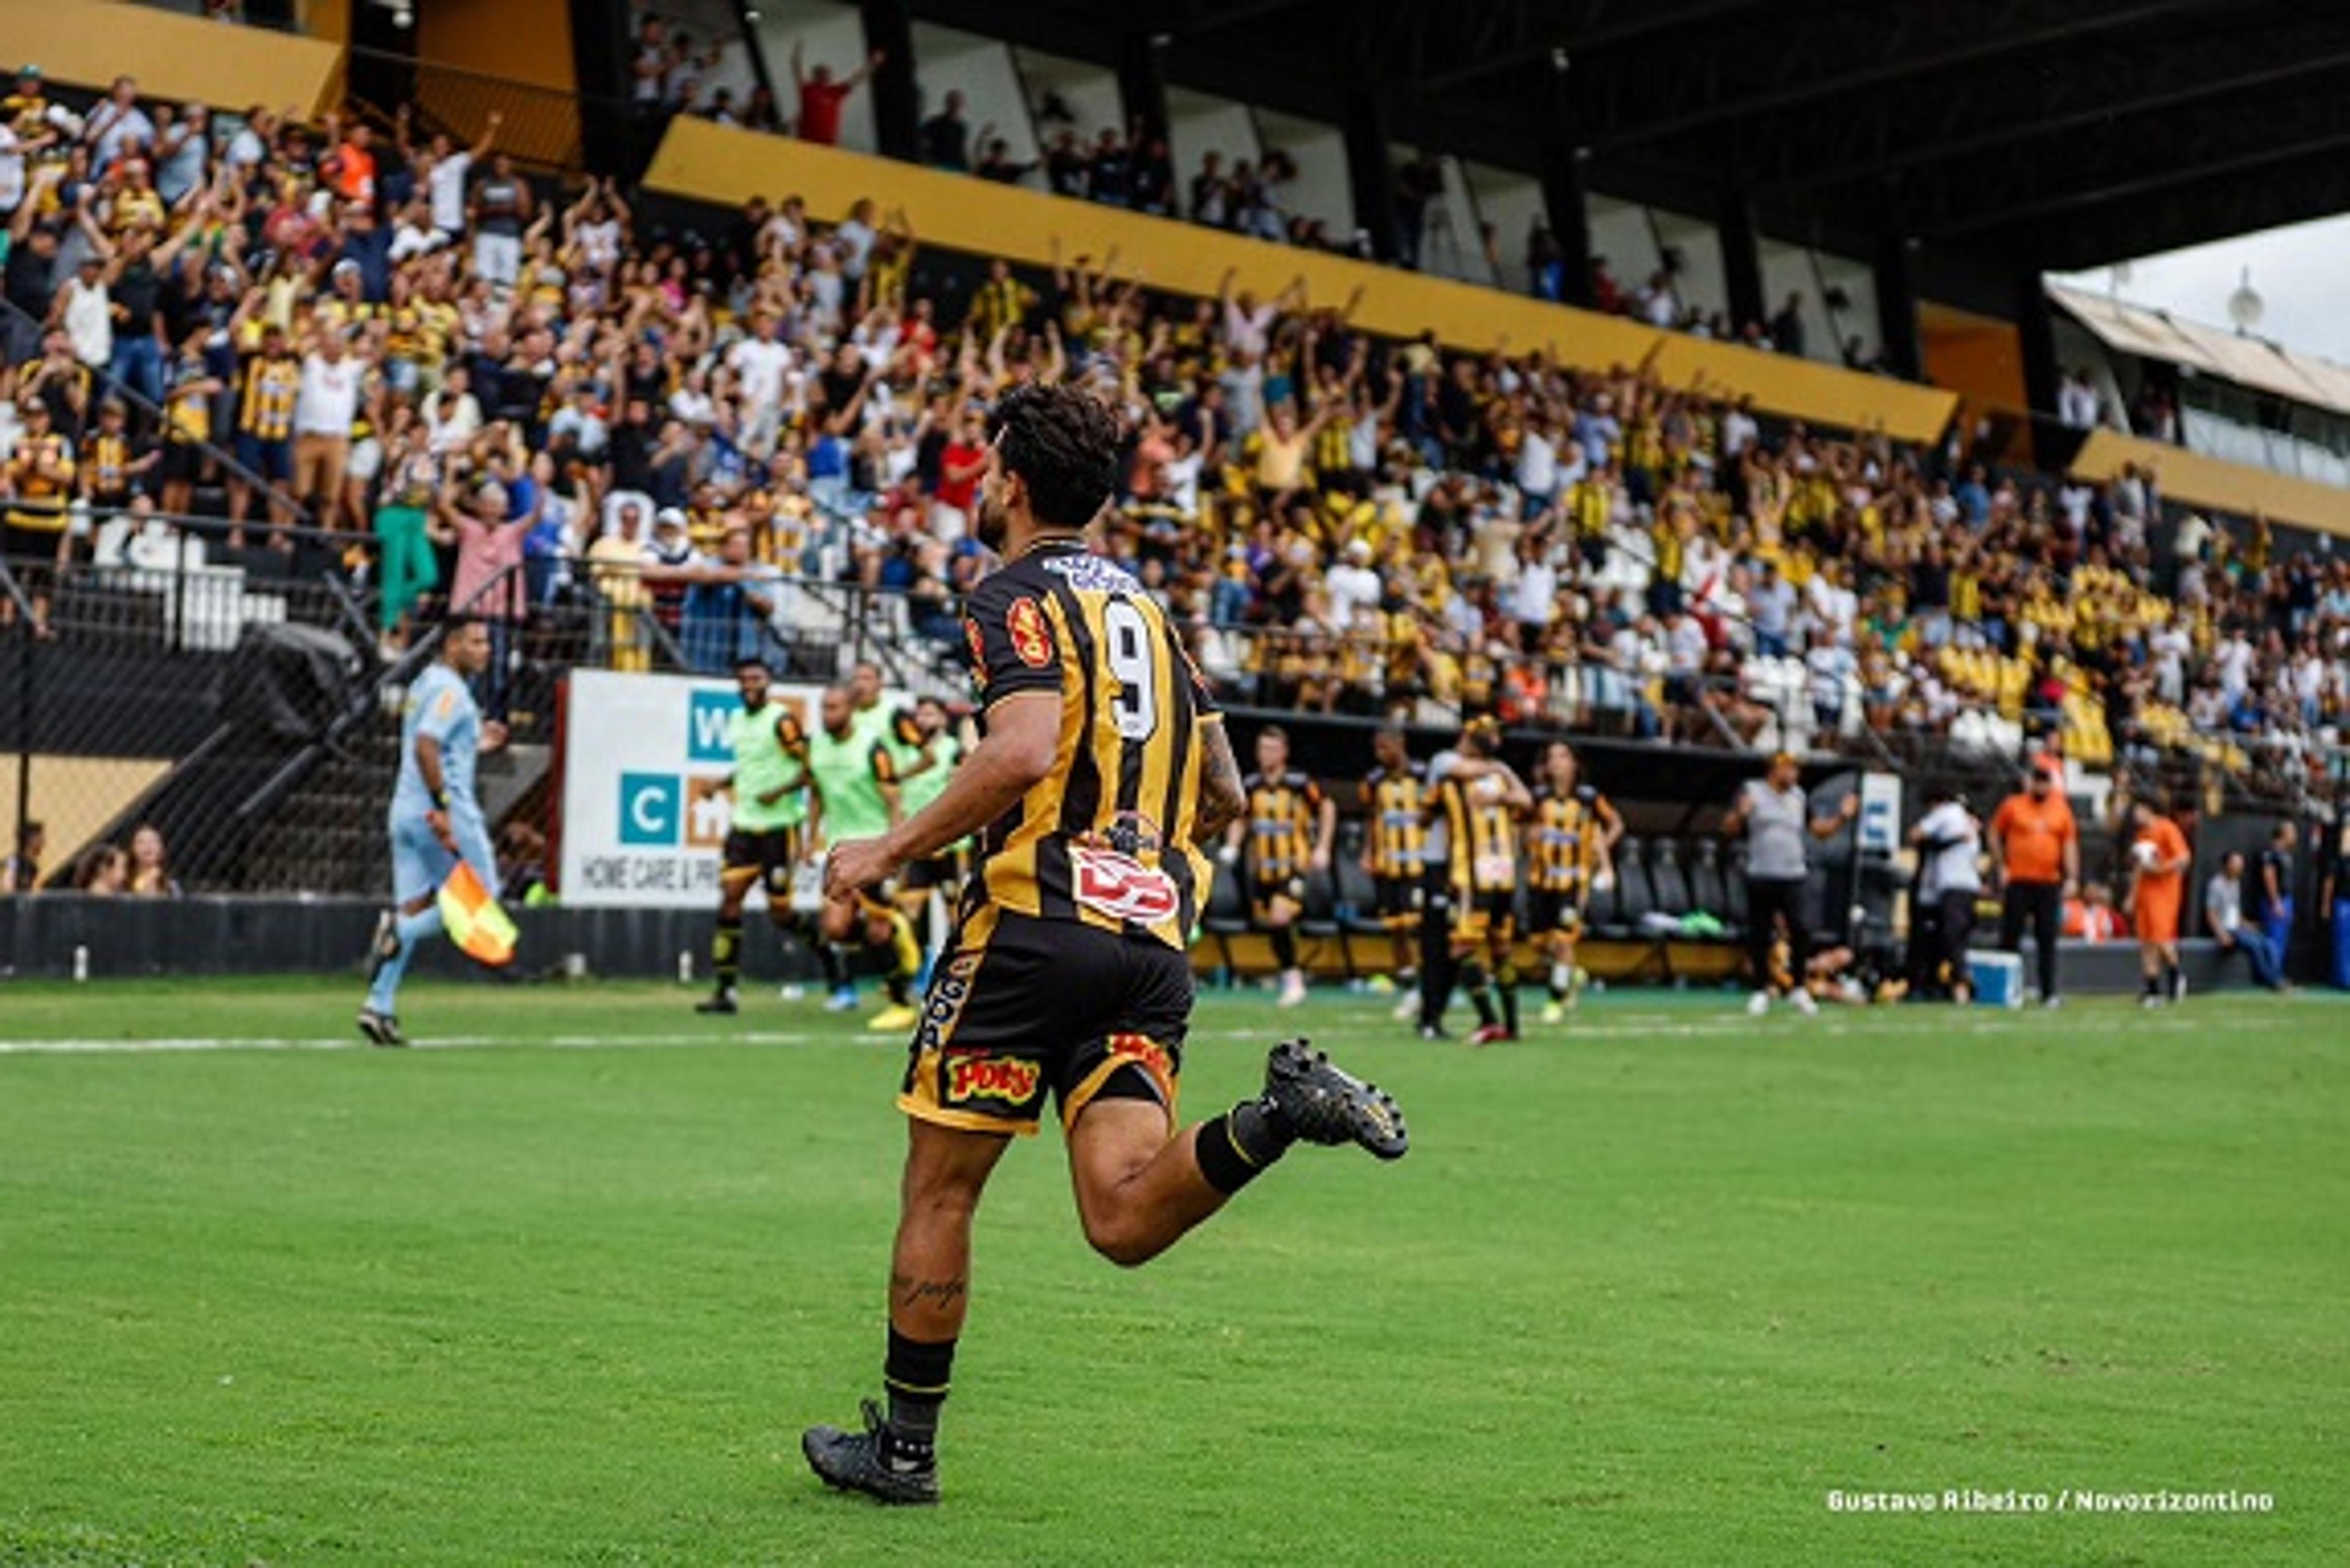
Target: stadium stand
276 373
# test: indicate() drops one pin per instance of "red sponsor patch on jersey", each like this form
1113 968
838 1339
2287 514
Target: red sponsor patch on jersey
1031 639
978 653
1121 886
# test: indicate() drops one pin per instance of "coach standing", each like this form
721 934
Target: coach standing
2035 855
1772 813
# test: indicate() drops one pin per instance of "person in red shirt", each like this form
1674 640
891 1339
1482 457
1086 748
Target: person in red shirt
2158 862
821 97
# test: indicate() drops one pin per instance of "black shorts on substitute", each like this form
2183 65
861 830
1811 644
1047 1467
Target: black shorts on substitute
1021 1009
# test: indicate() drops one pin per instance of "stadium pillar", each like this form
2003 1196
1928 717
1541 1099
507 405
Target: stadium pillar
1565 191
1370 172
897 99
2035 331
1142 81
601 50
1742 261
1897 304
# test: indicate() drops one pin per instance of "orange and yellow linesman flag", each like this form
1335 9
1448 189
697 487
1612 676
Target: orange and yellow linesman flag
482 931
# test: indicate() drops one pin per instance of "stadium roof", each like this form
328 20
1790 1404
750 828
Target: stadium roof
2054 134
2256 362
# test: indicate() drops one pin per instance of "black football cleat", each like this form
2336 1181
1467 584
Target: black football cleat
380 1028
861 1461
720 1001
1324 1104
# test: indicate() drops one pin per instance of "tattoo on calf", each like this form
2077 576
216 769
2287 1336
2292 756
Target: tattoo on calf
908 1291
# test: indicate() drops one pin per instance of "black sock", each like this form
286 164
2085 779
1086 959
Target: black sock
2153 985
897 989
916 1374
1233 1148
1284 947
1481 993
836 966
726 952
1507 978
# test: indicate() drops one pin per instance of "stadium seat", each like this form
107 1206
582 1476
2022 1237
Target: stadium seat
1321 920
1226 915
1666 880
1356 896
1708 889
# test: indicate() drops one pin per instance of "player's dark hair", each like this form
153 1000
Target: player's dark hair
1063 443
1274 733
751 661
456 621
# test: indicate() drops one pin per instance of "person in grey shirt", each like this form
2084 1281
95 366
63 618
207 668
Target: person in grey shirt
1772 813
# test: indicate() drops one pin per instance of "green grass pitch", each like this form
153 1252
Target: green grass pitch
1646 1290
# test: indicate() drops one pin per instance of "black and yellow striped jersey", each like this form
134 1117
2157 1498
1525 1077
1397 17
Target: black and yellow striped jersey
1564 840
1282 813
1107 838
1395 827
1481 833
265 406
106 464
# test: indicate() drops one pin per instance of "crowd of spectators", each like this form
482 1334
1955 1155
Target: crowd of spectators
526 399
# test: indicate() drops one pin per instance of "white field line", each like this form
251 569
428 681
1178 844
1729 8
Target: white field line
1780 1028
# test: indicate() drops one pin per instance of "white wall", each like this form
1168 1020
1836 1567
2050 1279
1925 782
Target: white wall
1198 125
1322 189
1449 245
1510 202
1703 282
829 34
1787 269
1858 317
1620 234
949 60
1089 91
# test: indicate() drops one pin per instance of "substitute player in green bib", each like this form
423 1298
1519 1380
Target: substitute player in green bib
855 773
765 837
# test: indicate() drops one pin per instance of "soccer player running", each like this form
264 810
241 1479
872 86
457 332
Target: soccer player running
1395 799
2157 890
855 773
762 846
1102 768
1284 834
1482 800
1570 850
436 819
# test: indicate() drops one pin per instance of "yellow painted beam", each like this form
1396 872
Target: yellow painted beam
88 43
726 167
2203 481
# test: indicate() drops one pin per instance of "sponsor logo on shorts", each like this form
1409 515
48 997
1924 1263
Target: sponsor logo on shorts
1122 886
1145 1052
1032 639
949 992
991 1078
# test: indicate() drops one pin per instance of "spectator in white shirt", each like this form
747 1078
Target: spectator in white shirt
324 408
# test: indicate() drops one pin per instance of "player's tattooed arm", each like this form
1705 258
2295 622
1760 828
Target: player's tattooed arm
1221 799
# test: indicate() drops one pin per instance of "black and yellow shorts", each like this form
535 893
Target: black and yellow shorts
1556 910
1263 890
767 855
935 871
1020 1008
1396 899
1484 917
